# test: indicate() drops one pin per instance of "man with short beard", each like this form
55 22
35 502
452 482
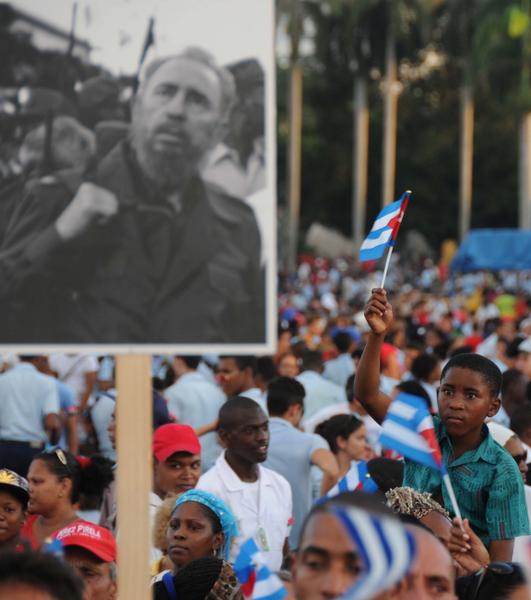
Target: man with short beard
140 249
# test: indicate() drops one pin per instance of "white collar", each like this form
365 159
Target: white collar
231 480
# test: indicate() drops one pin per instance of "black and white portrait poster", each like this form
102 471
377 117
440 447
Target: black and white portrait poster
137 176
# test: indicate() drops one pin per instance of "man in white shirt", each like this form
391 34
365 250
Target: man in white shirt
237 378
259 498
195 401
29 414
320 392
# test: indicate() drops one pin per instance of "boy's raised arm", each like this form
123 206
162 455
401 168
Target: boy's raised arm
379 315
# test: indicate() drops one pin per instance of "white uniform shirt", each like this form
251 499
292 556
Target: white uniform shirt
266 512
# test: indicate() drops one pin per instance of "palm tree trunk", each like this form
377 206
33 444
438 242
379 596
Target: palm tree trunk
361 158
390 117
466 157
294 160
524 173
524 166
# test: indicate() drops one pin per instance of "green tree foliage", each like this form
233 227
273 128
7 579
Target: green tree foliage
428 123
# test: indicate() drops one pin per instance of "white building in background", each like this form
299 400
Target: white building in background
47 36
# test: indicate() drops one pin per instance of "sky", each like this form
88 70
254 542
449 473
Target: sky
230 29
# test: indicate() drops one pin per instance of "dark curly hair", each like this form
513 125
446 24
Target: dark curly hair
90 476
338 426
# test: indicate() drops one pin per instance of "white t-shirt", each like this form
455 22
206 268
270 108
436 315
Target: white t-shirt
72 368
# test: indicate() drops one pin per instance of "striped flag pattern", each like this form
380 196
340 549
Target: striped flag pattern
385 229
408 429
255 578
357 478
386 548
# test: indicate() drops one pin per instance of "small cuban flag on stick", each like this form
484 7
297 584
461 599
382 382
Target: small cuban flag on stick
384 232
386 548
255 578
357 478
408 429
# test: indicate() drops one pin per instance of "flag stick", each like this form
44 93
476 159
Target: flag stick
453 499
387 262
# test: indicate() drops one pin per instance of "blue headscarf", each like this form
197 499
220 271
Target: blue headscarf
220 509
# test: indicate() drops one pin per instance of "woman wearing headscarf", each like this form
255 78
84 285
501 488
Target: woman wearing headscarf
201 526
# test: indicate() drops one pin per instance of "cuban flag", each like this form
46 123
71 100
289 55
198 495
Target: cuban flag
386 548
385 229
408 429
357 478
255 578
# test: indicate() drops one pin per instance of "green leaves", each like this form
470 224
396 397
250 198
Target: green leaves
518 21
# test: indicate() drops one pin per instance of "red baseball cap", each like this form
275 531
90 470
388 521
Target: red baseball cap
171 438
91 537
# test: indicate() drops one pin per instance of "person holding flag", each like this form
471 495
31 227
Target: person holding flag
488 488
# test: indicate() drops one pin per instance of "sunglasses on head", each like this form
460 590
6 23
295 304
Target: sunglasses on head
61 457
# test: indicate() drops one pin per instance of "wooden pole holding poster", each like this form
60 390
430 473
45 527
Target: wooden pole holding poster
133 431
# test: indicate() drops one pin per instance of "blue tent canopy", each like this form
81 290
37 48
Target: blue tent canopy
494 250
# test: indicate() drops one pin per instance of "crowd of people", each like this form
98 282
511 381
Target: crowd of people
265 447
275 449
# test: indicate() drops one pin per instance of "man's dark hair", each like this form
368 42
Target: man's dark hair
312 360
498 582
411 520
349 388
243 362
282 393
43 572
479 364
192 362
512 348
234 410
266 369
521 419
414 388
423 365
342 341
509 378
28 357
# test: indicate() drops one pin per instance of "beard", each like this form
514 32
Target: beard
167 170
